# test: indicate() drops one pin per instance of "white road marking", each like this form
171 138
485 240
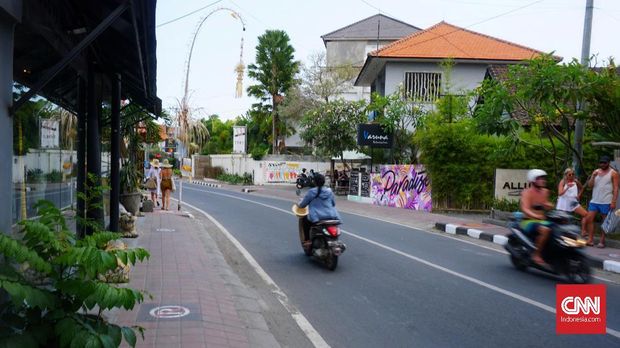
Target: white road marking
491 287
299 318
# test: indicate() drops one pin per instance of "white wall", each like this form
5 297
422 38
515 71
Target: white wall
465 76
49 160
240 164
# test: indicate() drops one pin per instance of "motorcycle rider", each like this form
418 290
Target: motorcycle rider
321 205
303 173
534 202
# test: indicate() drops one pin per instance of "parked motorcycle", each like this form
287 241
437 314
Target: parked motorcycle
563 253
304 181
323 241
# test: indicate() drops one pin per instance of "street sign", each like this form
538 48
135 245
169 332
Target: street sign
373 135
239 139
50 134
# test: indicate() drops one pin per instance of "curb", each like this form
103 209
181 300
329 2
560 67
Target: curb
247 190
208 184
607 265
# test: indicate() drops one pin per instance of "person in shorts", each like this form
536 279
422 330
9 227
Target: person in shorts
604 184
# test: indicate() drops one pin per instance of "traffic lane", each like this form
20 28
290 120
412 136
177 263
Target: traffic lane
467 258
394 300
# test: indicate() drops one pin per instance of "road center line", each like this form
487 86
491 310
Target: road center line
491 287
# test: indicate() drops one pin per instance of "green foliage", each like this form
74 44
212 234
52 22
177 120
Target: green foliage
332 128
52 280
505 205
604 100
54 176
235 179
130 178
221 140
275 71
34 176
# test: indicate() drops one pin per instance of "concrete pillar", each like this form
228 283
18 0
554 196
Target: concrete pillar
115 139
7 24
94 208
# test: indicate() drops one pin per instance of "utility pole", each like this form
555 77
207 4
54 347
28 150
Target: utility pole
585 58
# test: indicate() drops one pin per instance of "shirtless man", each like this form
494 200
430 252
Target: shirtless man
534 202
604 184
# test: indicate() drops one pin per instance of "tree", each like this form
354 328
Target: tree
398 115
550 97
332 128
604 99
275 71
320 82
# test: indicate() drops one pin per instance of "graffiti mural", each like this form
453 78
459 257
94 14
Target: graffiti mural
403 186
280 172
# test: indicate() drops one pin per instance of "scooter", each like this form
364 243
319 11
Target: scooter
563 253
304 181
323 242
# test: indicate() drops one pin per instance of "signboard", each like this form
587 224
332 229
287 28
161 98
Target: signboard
354 183
239 139
373 135
50 134
280 172
404 186
186 167
170 145
365 178
509 183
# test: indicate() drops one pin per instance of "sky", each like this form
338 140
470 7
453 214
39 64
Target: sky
545 25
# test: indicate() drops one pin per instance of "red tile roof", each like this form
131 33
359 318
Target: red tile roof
444 40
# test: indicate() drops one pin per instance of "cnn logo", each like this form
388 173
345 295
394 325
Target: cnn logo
573 305
580 309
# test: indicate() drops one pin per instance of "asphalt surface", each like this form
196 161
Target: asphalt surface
400 287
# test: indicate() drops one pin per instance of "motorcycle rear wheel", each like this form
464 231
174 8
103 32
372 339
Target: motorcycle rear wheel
331 262
519 264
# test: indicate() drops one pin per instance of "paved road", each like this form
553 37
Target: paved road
400 287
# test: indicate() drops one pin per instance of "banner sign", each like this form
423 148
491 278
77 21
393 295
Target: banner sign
50 134
373 135
403 186
186 167
281 172
239 139
509 183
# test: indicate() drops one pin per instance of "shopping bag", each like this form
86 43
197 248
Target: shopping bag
151 184
612 222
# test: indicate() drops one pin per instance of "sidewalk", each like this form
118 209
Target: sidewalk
198 300
472 226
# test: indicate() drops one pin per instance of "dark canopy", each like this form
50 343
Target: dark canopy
49 30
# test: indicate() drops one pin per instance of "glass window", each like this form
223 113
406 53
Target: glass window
422 86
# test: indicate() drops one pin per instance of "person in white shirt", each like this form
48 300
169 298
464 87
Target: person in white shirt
155 174
604 183
569 195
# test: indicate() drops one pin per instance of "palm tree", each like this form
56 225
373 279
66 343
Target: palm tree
275 70
191 131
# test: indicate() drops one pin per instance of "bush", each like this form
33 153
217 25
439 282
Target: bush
57 298
235 179
213 172
34 176
53 176
176 172
505 205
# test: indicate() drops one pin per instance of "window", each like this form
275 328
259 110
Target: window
422 86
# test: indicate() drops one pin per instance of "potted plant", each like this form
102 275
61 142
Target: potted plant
130 188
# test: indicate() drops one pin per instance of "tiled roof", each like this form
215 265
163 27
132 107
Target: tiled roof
444 40
366 29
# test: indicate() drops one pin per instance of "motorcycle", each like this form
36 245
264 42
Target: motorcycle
304 181
563 253
323 241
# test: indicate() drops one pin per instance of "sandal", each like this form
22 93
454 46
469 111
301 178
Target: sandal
600 245
590 244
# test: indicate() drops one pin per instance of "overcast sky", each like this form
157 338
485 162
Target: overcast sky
546 25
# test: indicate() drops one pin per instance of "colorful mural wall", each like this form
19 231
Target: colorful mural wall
275 172
403 186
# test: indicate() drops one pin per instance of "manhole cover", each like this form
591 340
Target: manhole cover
169 312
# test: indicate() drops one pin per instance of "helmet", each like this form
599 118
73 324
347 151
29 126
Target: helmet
533 174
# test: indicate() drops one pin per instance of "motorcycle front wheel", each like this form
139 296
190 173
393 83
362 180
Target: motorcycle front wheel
578 271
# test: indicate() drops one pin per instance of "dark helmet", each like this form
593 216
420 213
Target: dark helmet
303 170
319 180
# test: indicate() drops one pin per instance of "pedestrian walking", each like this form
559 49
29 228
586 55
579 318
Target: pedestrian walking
153 181
604 184
569 195
167 184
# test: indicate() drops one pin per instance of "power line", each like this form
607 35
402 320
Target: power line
188 14
377 8
474 24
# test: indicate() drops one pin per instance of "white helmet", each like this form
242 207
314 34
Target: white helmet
533 174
